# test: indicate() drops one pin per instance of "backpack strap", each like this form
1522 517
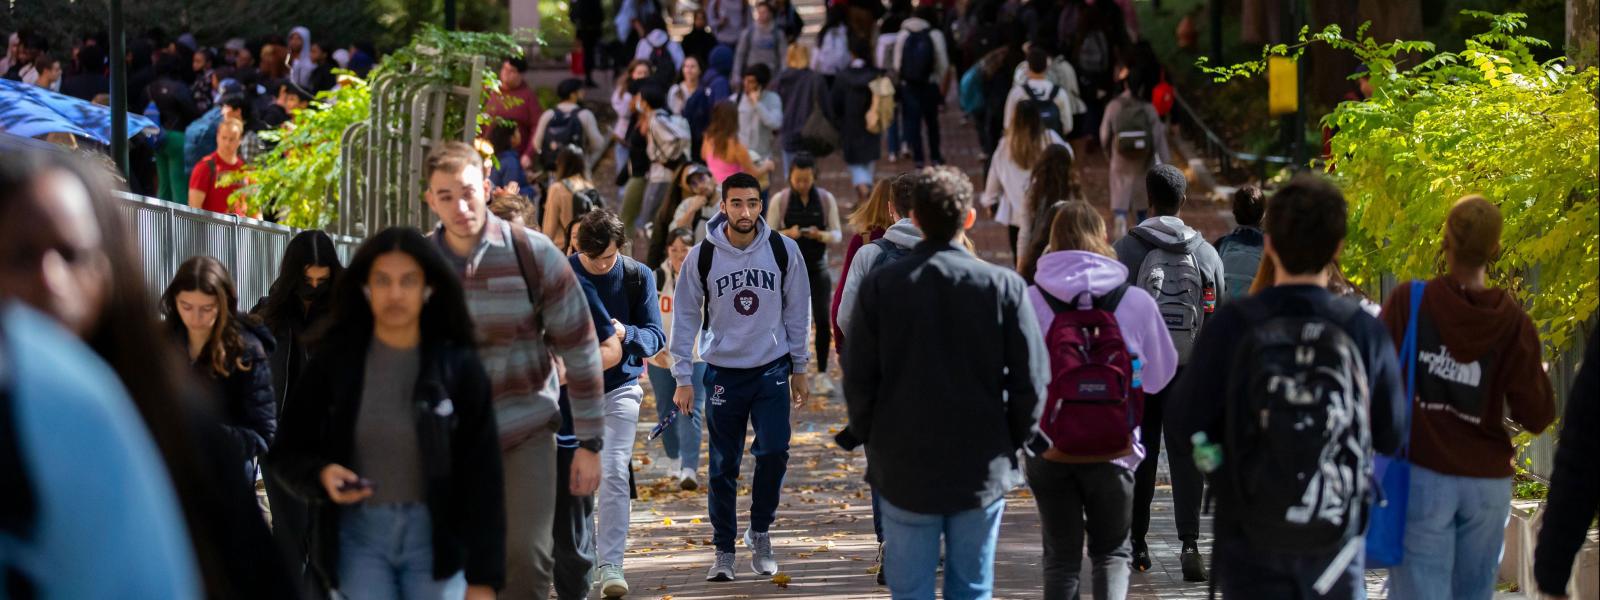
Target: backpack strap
707 252
1112 299
526 263
1408 357
632 280
780 252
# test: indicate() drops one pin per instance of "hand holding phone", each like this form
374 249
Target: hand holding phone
343 485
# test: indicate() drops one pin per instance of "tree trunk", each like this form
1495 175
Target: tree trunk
1583 32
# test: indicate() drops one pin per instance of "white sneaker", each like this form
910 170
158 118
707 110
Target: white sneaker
721 567
686 480
760 545
821 385
612 583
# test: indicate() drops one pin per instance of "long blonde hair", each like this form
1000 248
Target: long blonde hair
1078 226
1027 135
874 213
799 57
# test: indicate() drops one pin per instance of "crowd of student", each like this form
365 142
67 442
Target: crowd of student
211 102
453 413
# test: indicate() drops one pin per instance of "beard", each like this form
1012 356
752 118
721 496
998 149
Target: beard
743 226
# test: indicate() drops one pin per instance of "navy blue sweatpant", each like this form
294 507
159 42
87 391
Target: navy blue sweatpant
759 397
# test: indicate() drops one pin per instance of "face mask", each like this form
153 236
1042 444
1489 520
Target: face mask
311 293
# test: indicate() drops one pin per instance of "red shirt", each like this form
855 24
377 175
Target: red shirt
206 174
525 115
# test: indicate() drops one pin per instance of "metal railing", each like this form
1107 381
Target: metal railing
169 234
1230 161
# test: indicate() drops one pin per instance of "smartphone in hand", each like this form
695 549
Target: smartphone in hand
356 486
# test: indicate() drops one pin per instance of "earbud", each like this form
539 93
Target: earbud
367 290
427 293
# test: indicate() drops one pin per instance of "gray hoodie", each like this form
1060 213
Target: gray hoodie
1170 233
902 234
753 321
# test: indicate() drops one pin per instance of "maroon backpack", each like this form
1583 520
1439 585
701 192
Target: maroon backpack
1095 397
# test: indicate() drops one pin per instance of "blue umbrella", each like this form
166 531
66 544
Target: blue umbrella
32 111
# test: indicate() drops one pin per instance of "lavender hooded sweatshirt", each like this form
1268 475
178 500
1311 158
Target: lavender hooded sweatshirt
1069 273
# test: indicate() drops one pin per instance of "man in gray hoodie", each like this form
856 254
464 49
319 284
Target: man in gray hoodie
748 299
1172 262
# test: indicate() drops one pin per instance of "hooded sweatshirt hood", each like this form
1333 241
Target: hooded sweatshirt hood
1069 273
1471 323
658 38
721 60
717 235
904 234
1169 233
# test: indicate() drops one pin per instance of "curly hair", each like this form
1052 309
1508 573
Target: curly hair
224 350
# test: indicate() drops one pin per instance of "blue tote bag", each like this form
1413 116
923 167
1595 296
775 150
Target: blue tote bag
1386 532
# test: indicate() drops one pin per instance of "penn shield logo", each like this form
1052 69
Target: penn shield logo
716 395
746 302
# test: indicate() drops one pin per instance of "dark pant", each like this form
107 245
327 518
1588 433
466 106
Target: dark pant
821 294
1013 233
922 108
590 38
877 515
1241 571
1075 499
573 550
758 397
290 519
1187 484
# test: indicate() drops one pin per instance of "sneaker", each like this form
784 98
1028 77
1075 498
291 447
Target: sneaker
1141 557
881 576
686 480
612 584
821 385
721 567
1194 567
760 545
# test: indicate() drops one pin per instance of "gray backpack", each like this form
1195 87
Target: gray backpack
1174 280
1239 263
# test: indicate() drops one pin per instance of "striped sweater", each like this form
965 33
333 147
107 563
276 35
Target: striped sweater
517 339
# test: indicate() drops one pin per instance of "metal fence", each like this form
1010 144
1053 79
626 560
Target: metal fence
169 234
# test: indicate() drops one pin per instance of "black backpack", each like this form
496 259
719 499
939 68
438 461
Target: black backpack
1049 112
1297 430
916 56
662 69
564 129
889 252
633 280
583 202
780 253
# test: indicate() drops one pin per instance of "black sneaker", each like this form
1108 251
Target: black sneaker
1194 567
881 579
1141 557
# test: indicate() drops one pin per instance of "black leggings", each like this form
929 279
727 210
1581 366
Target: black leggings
821 295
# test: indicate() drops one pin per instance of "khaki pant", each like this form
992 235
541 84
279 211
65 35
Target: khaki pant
530 512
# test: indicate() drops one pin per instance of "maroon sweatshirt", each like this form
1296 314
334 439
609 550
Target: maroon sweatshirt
1478 356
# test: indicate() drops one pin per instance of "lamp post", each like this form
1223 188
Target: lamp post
119 91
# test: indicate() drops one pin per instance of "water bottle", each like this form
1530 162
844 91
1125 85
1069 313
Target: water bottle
1207 456
1138 373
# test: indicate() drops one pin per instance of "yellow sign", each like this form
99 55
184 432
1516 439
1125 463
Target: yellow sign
1283 86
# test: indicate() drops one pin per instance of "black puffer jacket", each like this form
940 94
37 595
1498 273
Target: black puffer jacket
246 407
460 450
851 98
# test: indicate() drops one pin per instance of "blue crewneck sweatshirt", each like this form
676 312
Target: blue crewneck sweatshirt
641 318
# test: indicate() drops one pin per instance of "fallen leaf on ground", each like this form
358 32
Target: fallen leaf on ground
782 579
667 522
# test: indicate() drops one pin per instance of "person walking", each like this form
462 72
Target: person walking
762 43
692 100
394 440
979 380
698 41
809 215
1174 264
228 350
1053 101
1574 491
851 99
1133 135
1241 249
921 59
571 196
207 190
1083 482
725 153
176 104
568 123
513 277
299 297
761 113
729 19
627 290
588 23
1006 192
833 43
872 219
804 91
747 294
516 102
1290 514
680 440
1477 364
667 141
1054 180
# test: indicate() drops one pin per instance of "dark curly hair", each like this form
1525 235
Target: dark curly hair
224 351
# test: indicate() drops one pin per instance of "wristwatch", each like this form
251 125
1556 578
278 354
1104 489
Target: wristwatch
591 444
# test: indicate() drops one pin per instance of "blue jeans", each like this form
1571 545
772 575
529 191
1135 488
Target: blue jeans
1455 535
911 551
386 552
861 174
1241 571
681 440
759 398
